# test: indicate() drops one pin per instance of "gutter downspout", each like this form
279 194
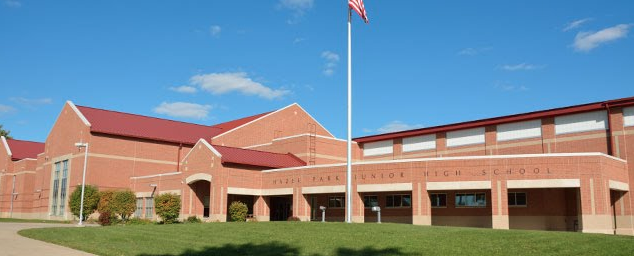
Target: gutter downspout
610 140
178 158
12 197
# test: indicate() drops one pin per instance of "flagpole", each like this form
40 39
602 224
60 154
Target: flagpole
349 164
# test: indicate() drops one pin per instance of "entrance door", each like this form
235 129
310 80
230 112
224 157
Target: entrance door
313 208
206 207
281 208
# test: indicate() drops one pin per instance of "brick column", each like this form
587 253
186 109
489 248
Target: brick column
397 149
548 135
217 203
261 208
490 137
358 209
441 144
301 205
421 205
623 212
499 204
595 213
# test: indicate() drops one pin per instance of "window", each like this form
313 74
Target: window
60 188
398 201
149 207
590 121
628 116
139 207
424 142
517 199
465 137
370 201
438 200
471 200
519 130
378 148
336 202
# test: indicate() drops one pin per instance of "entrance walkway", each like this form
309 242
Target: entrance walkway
12 244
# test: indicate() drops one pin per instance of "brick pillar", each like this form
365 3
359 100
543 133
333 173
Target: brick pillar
441 144
358 209
421 205
301 205
499 205
218 203
618 138
490 137
397 149
261 208
548 135
623 213
595 213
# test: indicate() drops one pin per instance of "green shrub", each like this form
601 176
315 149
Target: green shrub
91 200
123 203
193 219
238 211
168 207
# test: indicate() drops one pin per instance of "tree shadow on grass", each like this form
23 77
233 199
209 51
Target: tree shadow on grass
280 249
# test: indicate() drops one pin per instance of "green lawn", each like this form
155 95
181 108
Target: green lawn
305 238
32 221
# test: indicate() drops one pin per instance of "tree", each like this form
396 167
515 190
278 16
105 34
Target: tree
168 207
124 203
5 133
91 200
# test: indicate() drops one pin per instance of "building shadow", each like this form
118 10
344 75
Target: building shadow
280 249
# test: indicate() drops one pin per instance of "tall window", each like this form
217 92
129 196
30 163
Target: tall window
438 200
370 201
60 187
517 199
336 202
398 201
139 207
149 207
62 192
471 200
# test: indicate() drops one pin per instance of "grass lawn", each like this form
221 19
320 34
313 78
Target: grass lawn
306 238
32 221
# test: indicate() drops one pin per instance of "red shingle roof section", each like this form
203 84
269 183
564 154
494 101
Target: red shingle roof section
145 127
258 158
152 128
21 149
500 120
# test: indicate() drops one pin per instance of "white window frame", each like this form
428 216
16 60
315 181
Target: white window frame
564 124
515 131
419 143
454 137
383 147
628 116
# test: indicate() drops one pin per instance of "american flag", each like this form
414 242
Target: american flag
357 6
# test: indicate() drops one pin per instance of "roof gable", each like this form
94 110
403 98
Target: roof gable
258 158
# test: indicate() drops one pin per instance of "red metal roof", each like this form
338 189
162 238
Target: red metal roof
499 120
258 158
152 128
21 149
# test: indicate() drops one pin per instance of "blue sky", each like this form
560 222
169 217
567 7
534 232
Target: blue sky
418 63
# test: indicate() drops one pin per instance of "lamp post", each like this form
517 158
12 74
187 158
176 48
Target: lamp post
80 145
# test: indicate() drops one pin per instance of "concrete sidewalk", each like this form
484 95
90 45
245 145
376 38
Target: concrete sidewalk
12 244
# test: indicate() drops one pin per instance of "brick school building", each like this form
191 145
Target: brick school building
560 169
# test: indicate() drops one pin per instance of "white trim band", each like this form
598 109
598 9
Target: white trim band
324 189
617 185
459 185
384 187
545 183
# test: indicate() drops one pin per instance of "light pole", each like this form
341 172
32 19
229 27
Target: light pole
80 145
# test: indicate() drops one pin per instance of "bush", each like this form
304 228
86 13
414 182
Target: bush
123 203
238 211
293 218
168 207
193 219
106 218
91 200
105 200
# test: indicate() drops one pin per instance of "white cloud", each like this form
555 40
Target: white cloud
298 7
215 30
521 66
184 89
473 51
509 87
395 126
586 41
575 24
13 3
331 62
220 83
183 109
299 40
31 102
6 109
